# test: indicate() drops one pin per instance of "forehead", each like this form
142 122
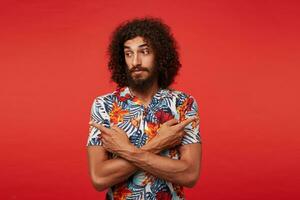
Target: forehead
135 43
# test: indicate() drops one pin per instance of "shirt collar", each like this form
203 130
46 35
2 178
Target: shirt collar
124 94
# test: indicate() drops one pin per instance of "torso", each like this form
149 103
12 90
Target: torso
141 124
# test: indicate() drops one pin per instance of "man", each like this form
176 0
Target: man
144 140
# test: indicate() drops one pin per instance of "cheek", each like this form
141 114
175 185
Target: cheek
127 62
149 61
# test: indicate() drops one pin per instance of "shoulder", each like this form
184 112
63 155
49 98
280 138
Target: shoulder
182 100
102 104
177 94
105 98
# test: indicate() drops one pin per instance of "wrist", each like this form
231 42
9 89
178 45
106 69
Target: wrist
135 155
127 150
153 146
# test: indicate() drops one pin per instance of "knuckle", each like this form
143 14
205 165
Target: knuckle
181 133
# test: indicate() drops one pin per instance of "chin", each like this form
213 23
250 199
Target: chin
139 78
141 81
138 81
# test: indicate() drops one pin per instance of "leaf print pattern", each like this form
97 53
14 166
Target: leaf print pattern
126 111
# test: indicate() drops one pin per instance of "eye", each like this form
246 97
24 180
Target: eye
146 51
128 54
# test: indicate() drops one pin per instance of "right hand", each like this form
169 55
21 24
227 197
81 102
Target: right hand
114 139
171 132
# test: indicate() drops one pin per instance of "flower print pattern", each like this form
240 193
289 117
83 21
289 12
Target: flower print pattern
163 116
163 195
121 192
186 106
179 190
117 114
141 124
151 130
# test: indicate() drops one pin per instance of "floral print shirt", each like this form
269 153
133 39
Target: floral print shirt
141 123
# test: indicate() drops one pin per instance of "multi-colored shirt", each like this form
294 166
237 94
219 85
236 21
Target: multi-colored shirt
141 123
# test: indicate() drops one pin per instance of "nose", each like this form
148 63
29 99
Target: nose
136 60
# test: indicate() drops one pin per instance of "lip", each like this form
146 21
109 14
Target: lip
138 71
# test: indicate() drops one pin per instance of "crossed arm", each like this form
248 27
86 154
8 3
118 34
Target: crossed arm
106 172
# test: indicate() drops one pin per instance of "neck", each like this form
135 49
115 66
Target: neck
146 95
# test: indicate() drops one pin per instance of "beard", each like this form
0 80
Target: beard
138 83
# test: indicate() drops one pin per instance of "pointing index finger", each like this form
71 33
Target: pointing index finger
184 123
99 126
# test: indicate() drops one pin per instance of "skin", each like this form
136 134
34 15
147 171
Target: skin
140 55
106 172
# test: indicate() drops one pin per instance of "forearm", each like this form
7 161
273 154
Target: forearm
117 170
111 172
114 171
175 171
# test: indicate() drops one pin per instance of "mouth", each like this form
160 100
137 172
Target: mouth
137 71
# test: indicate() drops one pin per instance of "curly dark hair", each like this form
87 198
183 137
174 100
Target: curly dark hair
158 34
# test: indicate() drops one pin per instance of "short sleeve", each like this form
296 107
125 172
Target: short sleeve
192 130
100 116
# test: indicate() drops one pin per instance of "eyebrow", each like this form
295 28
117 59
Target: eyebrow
140 46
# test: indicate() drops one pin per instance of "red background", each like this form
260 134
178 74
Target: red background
240 61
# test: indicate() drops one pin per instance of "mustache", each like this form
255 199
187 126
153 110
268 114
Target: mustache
138 68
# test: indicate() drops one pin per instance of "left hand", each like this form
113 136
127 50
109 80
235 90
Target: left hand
114 139
171 132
